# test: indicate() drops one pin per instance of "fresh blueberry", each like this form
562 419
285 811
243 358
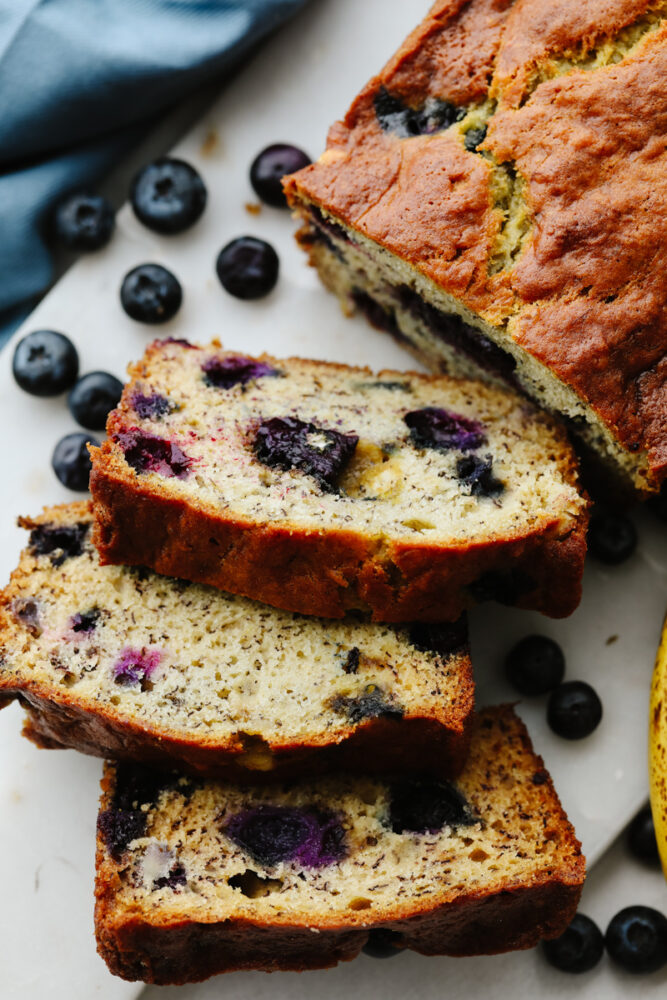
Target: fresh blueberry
382 943
247 267
84 221
149 453
290 443
71 461
443 430
424 805
574 710
578 949
270 166
477 473
444 639
474 137
224 373
612 537
151 294
168 196
60 542
92 399
45 363
636 939
271 834
641 838
535 666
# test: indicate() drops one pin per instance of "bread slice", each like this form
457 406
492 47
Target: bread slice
494 198
123 663
321 488
199 878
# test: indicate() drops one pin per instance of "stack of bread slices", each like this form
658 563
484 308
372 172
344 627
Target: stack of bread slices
260 622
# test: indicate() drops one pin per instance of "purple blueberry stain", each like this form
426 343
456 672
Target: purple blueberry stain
426 805
150 407
84 622
224 373
290 443
125 820
136 666
443 430
174 879
27 610
271 834
149 453
477 474
60 542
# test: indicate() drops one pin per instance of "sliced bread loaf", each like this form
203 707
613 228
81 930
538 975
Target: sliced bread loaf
127 664
321 488
199 878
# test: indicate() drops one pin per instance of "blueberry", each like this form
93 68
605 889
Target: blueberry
444 639
290 443
477 473
85 621
151 407
119 827
29 612
60 542
578 949
373 703
168 196
474 137
45 363
612 537
270 834
574 710
641 838
382 943
247 267
224 373
92 399
270 166
424 805
136 666
395 116
636 939
125 820
535 666
176 877
443 430
151 294
84 221
71 461
351 661
149 453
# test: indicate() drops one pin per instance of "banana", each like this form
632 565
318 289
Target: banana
658 748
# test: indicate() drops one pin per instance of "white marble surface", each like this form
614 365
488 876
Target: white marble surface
294 87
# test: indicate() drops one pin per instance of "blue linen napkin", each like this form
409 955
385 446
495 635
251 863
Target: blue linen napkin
79 79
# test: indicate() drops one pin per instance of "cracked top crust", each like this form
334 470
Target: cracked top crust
574 99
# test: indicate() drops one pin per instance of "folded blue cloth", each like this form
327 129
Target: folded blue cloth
79 80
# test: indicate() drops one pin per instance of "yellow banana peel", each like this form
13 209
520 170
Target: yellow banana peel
658 748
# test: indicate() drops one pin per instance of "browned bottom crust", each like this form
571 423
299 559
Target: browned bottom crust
330 573
378 745
186 952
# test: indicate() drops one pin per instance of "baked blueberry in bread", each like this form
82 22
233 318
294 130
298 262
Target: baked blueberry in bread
322 488
196 878
122 663
495 199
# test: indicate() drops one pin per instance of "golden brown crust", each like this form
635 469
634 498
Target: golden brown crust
328 573
161 948
587 293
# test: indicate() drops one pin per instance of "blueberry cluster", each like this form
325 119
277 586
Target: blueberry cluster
442 430
635 940
271 834
290 443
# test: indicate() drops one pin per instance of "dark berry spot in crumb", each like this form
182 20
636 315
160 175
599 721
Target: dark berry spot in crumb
148 453
351 662
125 820
136 666
477 474
443 430
579 949
474 137
290 443
27 610
377 314
270 834
373 703
383 943
395 116
61 542
540 778
150 407
173 880
223 373
424 805
119 827
85 621
390 386
445 638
